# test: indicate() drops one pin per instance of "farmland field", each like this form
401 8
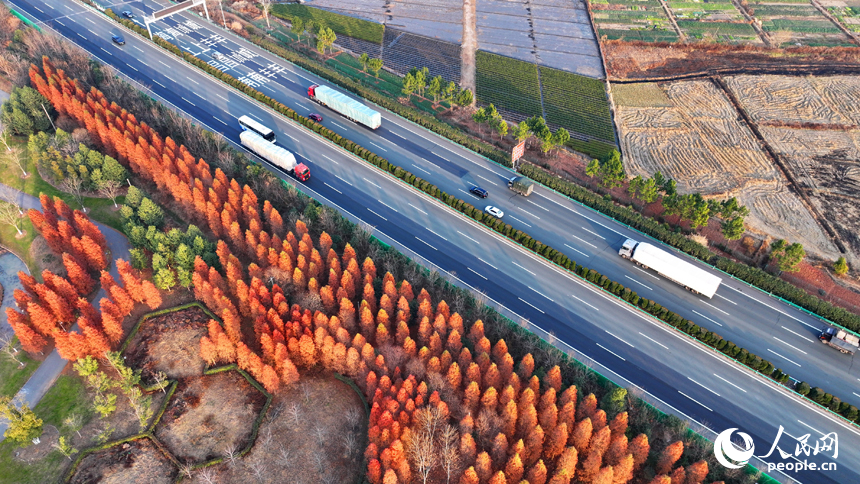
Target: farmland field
700 142
577 103
508 83
341 24
633 20
825 161
793 23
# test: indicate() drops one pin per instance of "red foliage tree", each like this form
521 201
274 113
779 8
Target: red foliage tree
77 275
668 457
30 340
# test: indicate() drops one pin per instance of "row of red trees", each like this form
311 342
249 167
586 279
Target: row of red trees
50 308
508 423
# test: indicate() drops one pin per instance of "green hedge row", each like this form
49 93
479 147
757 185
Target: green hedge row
522 238
649 226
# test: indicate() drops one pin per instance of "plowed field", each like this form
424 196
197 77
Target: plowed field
701 143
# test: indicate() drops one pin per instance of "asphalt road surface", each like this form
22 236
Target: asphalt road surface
678 375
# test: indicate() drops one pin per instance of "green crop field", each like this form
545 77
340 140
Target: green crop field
577 103
341 24
508 83
640 95
803 26
642 35
696 29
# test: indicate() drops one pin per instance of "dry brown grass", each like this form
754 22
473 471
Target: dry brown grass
137 462
170 343
315 432
209 415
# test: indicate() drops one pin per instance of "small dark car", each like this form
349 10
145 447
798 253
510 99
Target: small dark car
316 117
127 14
118 39
479 191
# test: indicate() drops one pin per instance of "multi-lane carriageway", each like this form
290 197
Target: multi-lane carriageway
632 349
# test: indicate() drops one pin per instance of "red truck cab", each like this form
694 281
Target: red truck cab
311 91
302 172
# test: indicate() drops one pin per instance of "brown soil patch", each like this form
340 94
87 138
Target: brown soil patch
137 462
640 60
318 426
209 415
169 343
35 452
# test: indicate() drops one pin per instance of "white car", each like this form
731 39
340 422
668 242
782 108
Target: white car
494 211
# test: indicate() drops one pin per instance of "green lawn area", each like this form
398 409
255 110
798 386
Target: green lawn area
100 209
67 396
11 377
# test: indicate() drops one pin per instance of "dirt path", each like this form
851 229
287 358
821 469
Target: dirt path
681 35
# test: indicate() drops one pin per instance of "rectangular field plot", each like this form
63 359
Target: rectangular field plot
577 103
797 23
722 31
509 84
643 20
700 142
712 10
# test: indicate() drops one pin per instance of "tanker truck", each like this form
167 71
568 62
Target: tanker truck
275 155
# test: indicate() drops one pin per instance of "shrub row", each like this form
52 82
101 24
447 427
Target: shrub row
649 226
574 191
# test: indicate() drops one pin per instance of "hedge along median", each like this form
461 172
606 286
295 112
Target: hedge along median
709 338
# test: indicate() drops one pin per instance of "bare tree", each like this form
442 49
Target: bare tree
422 452
295 412
306 391
74 422
232 455
10 214
429 420
257 466
74 186
265 6
286 456
14 156
7 345
110 189
319 432
350 442
187 469
207 475
449 454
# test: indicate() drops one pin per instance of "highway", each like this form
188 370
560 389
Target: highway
634 350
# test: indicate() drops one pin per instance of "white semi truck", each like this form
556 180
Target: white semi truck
345 105
274 154
671 267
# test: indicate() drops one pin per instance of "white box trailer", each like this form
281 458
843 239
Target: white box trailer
274 154
671 267
345 105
